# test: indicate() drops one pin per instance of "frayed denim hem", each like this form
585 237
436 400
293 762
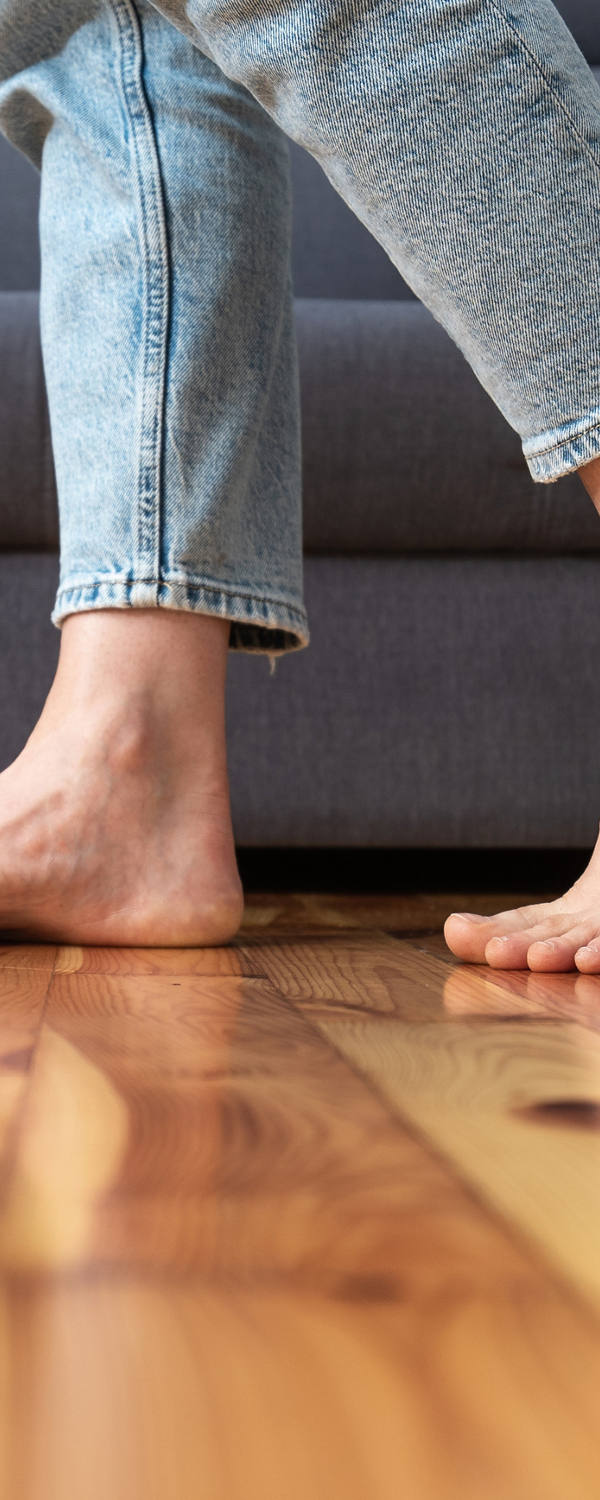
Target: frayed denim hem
570 447
258 624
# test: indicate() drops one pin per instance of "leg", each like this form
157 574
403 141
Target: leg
467 137
558 935
397 106
174 407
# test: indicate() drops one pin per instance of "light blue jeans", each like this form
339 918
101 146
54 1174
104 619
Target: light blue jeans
464 133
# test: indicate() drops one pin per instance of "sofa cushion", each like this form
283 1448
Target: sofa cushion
403 450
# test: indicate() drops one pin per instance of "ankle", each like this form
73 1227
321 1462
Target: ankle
590 476
149 684
160 652
144 743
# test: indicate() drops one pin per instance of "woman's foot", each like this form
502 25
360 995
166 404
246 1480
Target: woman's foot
555 936
115 825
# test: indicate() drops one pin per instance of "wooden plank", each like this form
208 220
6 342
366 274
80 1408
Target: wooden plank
429 940
474 990
175 961
203 1124
28 956
308 912
515 1107
413 978
367 970
22 997
125 1389
228 1271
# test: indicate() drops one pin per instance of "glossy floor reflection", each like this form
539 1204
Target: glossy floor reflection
313 1216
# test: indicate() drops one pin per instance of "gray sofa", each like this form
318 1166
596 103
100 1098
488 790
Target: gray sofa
451 694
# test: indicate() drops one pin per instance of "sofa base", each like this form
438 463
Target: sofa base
445 701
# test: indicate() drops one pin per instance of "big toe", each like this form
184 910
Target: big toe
468 935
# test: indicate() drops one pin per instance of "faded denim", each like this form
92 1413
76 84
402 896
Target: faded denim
464 133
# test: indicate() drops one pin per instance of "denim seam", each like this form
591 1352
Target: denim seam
547 83
563 442
154 249
188 579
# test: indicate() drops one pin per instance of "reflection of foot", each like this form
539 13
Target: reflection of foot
558 935
114 820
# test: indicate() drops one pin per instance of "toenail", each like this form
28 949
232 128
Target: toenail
500 940
544 943
588 948
467 916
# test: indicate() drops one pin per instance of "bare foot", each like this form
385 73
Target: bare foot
557 935
114 821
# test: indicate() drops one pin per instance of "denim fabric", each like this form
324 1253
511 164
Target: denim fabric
464 133
166 319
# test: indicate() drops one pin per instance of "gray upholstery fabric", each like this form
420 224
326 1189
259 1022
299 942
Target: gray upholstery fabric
28 644
19 249
403 450
27 491
434 687
449 702
583 19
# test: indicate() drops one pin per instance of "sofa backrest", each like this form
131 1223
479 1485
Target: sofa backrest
333 254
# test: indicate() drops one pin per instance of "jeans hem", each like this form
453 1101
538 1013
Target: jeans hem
559 452
259 624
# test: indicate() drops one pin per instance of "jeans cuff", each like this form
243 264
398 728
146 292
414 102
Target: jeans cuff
259 623
566 448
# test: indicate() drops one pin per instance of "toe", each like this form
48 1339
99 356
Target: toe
547 945
587 957
557 954
464 934
468 935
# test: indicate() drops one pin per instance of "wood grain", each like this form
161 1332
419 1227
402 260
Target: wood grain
22 998
27 956
312 1216
472 990
144 1390
367 972
516 1107
174 961
204 1124
308 912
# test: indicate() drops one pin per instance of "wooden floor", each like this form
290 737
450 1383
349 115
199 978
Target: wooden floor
315 1217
